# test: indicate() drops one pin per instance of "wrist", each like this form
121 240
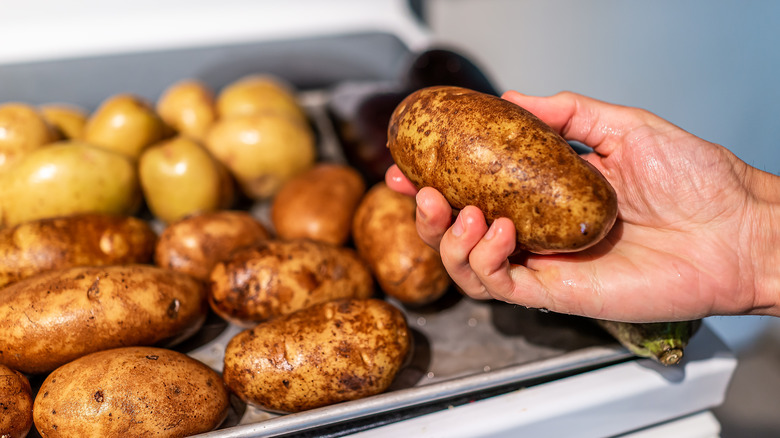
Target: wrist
764 245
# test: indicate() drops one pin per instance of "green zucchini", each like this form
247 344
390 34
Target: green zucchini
663 342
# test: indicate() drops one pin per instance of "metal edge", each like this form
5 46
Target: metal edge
582 359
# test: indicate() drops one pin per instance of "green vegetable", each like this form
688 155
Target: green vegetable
661 341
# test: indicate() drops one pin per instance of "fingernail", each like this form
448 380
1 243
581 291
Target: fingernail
458 227
490 232
420 212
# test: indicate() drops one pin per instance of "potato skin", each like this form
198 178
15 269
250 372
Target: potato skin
481 150
318 204
131 392
195 244
385 235
279 277
57 316
328 353
77 240
16 404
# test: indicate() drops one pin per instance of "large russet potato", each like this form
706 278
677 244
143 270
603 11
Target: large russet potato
179 177
481 150
385 235
66 178
131 392
328 353
278 277
318 204
16 404
194 244
57 316
77 240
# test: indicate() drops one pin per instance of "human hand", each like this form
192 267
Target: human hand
693 237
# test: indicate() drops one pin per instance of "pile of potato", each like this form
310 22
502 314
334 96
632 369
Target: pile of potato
94 298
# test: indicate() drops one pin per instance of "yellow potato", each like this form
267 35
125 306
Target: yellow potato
262 151
22 129
131 392
318 204
279 277
179 177
385 236
193 245
79 240
188 107
481 150
66 178
16 404
329 353
68 119
57 316
259 93
124 123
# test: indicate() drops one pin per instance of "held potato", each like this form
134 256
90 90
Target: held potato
318 204
78 240
481 150
328 353
131 392
385 235
278 277
16 404
195 244
57 316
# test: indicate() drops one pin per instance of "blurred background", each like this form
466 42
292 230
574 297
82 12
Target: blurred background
709 66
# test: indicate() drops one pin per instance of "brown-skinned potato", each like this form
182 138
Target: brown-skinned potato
328 353
16 404
57 316
278 277
318 204
77 240
131 392
385 236
193 245
481 150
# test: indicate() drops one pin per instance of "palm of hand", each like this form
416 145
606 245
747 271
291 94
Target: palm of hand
670 185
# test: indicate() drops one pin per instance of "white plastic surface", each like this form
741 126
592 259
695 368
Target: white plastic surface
699 425
605 402
35 30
